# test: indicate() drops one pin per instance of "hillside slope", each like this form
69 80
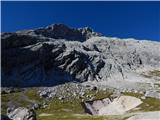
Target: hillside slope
58 54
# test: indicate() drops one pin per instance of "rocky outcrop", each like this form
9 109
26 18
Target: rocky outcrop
118 106
58 54
21 114
93 107
154 94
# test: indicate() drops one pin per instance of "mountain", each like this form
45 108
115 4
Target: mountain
58 54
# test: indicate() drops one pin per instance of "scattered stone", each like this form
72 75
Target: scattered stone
43 94
104 89
88 86
115 94
87 96
74 94
82 93
143 97
36 106
10 109
82 100
61 98
135 91
92 98
94 88
141 92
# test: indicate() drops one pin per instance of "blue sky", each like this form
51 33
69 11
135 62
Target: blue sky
140 20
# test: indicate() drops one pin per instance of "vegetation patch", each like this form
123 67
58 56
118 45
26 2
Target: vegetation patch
137 95
150 104
99 94
71 109
19 99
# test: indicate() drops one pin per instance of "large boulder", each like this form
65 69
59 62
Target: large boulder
118 106
21 113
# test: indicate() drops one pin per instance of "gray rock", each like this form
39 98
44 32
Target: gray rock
135 91
143 97
154 94
94 88
141 92
44 94
61 31
116 107
44 104
106 101
116 94
10 109
58 54
61 98
82 93
22 114
36 106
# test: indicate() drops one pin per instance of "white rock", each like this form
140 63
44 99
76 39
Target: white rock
153 94
143 97
22 114
120 105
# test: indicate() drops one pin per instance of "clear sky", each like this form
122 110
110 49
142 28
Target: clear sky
140 20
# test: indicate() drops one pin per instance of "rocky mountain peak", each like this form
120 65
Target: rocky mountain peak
57 54
61 31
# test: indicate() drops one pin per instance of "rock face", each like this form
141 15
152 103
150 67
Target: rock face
154 94
61 31
116 107
58 54
93 107
22 114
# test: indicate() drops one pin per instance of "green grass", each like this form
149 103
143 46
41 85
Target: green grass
17 99
99 94
149 104
32 94
72 117
60 110
71 109
74 106
138 95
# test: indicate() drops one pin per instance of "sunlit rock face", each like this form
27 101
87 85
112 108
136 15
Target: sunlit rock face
58 54
117 106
